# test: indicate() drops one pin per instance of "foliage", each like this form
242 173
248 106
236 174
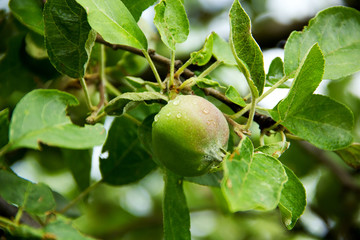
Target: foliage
71 67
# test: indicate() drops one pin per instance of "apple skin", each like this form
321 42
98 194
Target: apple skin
189 135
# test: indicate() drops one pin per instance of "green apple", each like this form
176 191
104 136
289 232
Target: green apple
189 135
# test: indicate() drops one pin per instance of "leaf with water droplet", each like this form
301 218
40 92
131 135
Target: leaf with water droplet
205 111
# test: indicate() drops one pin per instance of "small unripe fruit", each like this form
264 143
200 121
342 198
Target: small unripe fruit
189 135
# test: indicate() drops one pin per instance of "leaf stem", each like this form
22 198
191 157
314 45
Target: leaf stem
265 94
112 89
261 139
137 122
102 77
241 112
183 67
21 208
96 118
4 149
187 83
153 68
270 90
210 69
80 196
172 67
86 92
7 222
252 112
18 215
238 128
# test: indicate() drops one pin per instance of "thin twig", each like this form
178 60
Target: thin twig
344 177
80 196
154 56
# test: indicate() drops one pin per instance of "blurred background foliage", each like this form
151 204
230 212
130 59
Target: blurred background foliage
134 211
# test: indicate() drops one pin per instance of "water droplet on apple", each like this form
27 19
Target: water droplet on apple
176 102
205 111
156 118
178 115
211 122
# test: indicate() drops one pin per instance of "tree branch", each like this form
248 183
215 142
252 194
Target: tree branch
9 211
154 56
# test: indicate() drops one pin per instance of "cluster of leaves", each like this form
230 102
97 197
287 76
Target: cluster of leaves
251 178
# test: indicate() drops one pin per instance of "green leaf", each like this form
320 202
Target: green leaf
246 51
127 161
274 149
318 119
33 198
13 74
204 55
137 7
68 37
210 179
175 211
35 46
307 79
29 13
4 127
205 83
321 121
233 95
293 200
79 163
172 22
351 155
276 72
63 230
252 181
337 31
40 117
123 103
222 51
113 21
